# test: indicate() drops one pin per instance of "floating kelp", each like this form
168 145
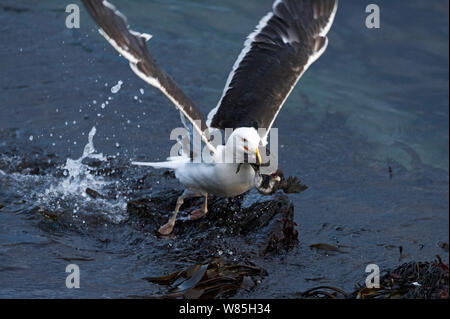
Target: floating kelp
327 248
444 246
93 193
218 278
323 292
413 280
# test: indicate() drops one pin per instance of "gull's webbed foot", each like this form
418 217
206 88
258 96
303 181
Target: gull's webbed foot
197 214
167 228
201 212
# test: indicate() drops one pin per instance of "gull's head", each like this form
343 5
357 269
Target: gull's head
245 144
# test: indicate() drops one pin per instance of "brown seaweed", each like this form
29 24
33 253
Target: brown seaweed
217 278
413 280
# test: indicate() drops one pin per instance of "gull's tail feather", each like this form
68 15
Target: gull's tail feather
172 163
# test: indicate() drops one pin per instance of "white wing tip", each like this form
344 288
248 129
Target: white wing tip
145 36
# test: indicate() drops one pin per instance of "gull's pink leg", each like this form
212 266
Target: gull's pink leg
167 228
201 212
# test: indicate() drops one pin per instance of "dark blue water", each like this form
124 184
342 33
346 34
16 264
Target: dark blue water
377 98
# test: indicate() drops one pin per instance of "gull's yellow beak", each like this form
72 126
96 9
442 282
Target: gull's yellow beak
258 156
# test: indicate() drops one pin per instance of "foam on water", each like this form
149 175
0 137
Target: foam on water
77 178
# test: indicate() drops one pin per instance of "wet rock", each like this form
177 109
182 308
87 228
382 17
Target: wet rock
21 157
93 193
286 237
35 163
444 246
220 248
249 224
108 168
93 162
170 174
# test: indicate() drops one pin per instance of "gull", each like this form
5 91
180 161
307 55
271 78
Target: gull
285 42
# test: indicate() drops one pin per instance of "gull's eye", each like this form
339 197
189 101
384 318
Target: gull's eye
244 140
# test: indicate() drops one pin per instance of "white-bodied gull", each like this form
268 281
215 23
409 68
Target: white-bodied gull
284 44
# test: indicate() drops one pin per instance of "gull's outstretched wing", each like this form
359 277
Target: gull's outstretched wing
132 45
285 43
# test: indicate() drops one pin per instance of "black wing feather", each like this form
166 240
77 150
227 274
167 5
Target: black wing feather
133 46
278 56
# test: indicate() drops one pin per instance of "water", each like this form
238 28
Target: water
116 88
376 99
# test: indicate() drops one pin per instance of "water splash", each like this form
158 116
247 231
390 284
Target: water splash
116 88
77 179
65 196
